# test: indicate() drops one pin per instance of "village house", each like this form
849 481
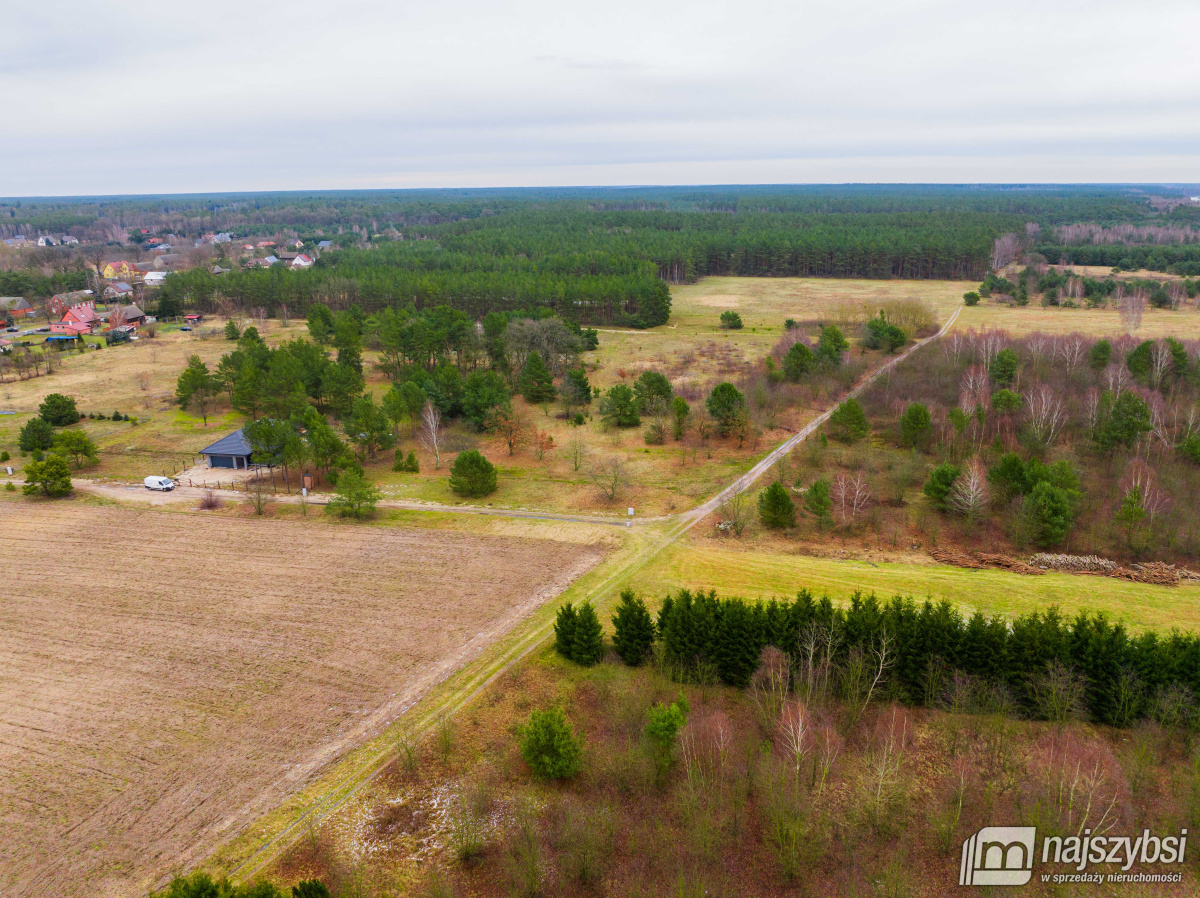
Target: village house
169 262
47 240
118 290
301 261
129 317
57 305
82 314
75 328
154 278
118 270
14 307
68 240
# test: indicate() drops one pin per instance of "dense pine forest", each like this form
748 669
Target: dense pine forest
606 255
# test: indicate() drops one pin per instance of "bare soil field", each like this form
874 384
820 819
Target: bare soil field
165 679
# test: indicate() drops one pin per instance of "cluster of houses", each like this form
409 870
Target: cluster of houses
79 316
45 240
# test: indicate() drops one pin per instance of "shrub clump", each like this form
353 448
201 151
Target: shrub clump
549 745
472 474
848 423
408 465
775 507
58 410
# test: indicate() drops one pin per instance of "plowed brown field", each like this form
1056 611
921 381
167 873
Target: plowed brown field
164 678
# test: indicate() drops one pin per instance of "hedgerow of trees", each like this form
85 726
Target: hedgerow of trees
1040 665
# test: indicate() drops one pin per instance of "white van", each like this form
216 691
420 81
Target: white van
159 483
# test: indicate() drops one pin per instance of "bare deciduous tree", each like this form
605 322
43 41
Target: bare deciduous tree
974 389
864 670
1161 361
850 496
1116 377
736 509
432 433
818 646
1142 477
1091 408
1044 415
970 492
1133 307
1004 250
1038 346
577 450
1072 349
954 345
796 736
769 686
610 475
987 345
1176 292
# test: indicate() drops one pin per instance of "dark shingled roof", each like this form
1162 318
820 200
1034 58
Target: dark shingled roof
234 444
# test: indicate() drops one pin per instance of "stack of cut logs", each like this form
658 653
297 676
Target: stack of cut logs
982 560
1155 572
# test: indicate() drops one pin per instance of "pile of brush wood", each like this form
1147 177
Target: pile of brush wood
1156 572
983 560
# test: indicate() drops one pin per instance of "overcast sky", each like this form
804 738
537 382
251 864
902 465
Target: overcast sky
124 97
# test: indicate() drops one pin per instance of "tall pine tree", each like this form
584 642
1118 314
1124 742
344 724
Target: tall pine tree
537 383
587 644
633 627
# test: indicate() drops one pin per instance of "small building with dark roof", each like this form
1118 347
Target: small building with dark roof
232 451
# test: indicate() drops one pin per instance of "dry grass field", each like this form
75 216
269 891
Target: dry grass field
1183 324
135 379
764 305
773 568
165 679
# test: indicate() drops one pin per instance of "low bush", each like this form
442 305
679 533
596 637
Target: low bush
472 475
848 423
775 507
549 746
356 497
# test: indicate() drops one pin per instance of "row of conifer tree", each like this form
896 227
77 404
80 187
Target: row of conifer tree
1120 676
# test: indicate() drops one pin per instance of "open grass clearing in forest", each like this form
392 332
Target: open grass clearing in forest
703 562
153 708
1183 324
